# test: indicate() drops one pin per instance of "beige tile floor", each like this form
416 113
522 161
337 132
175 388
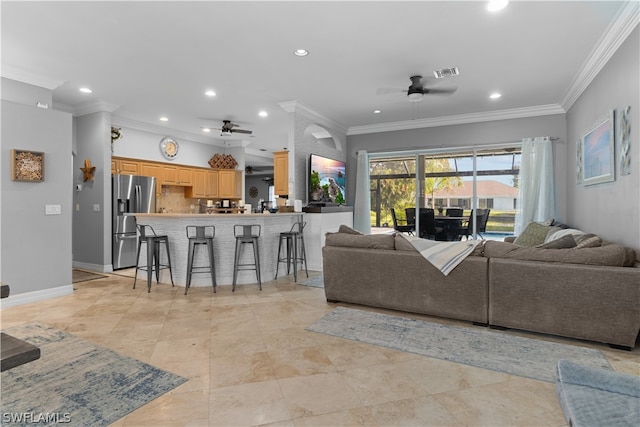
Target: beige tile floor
250 362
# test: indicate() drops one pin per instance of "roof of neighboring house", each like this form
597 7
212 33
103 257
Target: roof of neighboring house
485 189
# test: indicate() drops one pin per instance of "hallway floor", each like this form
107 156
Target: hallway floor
250 362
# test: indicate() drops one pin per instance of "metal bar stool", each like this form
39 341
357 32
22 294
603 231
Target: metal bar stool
200 235
149 237
246 234
291 239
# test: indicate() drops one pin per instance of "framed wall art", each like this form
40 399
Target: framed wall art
27 165
598 152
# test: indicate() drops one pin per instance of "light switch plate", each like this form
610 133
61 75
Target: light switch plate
52 209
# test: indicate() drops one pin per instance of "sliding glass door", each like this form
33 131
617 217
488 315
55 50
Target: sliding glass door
481 178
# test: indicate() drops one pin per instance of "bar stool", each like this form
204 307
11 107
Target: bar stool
149 237
291 239
246 234
200 235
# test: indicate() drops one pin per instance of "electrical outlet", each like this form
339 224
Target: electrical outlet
77 207
96 207
52 209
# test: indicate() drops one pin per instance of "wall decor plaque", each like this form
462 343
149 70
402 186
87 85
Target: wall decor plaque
27 165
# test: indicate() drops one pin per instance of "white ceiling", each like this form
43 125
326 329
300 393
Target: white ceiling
144 60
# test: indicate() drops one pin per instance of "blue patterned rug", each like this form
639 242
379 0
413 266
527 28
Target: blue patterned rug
315 282
473 345
76 382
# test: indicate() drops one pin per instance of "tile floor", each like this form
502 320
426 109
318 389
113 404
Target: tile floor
250 362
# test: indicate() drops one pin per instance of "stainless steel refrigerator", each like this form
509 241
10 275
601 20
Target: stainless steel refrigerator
130 194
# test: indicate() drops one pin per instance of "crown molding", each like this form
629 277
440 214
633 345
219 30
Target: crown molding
28 77
94 107
624 23
515 113
295 106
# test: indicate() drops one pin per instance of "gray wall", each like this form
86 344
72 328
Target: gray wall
466 135
92 228
262 186
36 248
611 209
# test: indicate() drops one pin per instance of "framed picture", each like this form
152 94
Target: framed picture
598 156
27 165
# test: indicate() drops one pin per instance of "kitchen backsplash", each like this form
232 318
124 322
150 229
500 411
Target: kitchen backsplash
173 200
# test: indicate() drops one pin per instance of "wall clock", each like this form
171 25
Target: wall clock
169 148
253 192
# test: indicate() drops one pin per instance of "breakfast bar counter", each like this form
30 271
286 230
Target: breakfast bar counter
174 226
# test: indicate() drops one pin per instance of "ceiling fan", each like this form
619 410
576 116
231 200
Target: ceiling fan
228 128
416 90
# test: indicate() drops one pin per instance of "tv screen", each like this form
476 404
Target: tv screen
327 180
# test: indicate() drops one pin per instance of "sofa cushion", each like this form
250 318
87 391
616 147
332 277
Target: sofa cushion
366 241
609 255
402 244
561 243
346 229
534 234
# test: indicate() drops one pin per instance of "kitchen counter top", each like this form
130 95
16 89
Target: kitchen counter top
217 215
174 226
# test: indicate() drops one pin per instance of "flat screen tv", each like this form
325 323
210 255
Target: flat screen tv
327 181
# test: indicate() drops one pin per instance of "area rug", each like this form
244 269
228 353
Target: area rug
83 276
315 282
76 382
473 345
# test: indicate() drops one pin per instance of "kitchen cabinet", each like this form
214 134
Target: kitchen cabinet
125 167
154 170
281 173
205 185
177 175
229 184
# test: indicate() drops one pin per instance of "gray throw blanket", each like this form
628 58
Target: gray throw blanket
444 256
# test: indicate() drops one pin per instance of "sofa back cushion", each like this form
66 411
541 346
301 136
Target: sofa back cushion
365 241
608 255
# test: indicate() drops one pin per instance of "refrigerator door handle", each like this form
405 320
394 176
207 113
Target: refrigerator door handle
138 201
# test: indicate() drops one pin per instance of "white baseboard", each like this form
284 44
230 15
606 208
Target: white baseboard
35 296
93 267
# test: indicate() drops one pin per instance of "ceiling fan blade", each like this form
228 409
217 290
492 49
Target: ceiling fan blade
440 91
387 90
248 132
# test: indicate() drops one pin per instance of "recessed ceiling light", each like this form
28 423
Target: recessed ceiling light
377 111
210 93
263 113
496 5
495 95
164 119
85 90
301 52
207 130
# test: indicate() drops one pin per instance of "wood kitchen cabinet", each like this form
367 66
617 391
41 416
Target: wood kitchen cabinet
155 170
229 184
177 175
205 184
125 167
281 173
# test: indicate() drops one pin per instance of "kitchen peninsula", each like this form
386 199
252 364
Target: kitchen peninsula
174 226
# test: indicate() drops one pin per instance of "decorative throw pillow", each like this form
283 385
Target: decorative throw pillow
534 234
564 242
346 229
556 234
588 241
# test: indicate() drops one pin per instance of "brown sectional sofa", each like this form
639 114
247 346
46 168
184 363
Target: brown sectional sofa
555 294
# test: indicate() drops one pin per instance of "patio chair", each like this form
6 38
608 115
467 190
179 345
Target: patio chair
401 225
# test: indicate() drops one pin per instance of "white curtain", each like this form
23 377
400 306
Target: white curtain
362 208
537 190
